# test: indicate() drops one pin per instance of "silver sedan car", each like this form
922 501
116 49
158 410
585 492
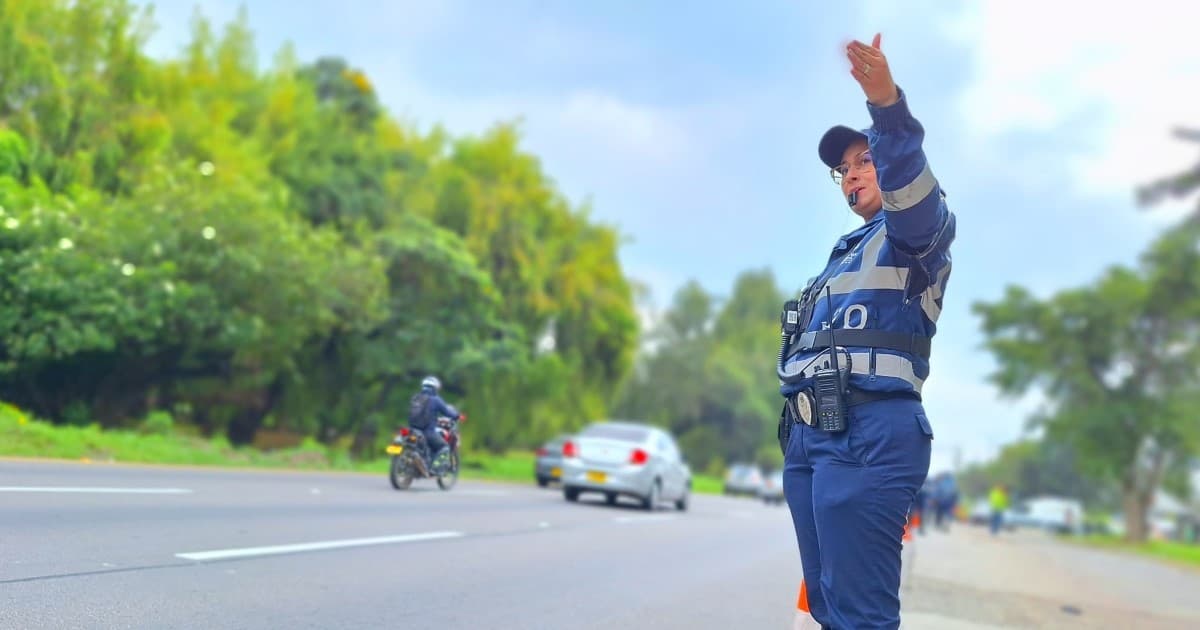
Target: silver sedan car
626 459
547 466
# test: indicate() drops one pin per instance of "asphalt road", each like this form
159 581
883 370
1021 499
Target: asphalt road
108 546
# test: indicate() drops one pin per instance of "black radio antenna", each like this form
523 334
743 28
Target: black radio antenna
832 344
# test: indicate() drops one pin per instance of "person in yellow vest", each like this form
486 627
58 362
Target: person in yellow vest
998 501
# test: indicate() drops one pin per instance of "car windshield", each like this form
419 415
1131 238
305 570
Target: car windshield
741 471
616 432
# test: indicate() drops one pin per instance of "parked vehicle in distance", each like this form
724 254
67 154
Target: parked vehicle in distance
743 479
1059 515
771 491
629 459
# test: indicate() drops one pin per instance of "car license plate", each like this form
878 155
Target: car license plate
394 449
596 476
555 472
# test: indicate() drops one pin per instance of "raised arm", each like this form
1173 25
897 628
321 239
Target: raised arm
915 208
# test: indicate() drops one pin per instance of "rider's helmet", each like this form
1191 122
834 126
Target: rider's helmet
432 381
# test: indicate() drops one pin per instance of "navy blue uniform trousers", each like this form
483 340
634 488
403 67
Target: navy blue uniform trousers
850 493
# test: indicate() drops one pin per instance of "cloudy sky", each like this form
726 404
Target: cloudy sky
694 131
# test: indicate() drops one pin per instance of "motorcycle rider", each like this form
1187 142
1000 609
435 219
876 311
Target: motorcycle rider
424 409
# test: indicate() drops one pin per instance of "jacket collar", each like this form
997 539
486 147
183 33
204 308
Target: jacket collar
849 240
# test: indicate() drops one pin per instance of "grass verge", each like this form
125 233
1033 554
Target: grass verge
1175 552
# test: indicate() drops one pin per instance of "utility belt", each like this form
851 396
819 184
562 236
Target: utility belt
826 402
918 345
811 406
802 406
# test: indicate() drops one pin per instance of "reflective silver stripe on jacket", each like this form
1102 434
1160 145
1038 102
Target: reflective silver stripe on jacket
891 365
912 194
871 275
930 296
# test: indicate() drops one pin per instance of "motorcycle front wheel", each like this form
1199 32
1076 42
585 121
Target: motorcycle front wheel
399 474
447 480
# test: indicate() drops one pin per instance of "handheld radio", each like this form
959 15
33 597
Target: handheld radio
829 385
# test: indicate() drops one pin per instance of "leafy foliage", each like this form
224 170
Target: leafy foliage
244 248
1116 360
710 377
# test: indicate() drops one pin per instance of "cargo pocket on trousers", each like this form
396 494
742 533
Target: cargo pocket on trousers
925 426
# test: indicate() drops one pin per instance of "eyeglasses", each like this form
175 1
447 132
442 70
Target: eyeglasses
862 161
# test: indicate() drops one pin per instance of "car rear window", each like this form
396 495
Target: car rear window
625 434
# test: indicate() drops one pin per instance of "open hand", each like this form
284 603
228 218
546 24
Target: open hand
869 67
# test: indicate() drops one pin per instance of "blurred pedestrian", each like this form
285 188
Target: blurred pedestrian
998 501
920 502
945 499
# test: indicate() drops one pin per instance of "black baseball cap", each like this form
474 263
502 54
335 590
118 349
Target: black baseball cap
834 143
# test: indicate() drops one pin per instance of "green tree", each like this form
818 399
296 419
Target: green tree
707 373
1033 467
1116 362
669 382
271 248
185 281
1179 185
73 82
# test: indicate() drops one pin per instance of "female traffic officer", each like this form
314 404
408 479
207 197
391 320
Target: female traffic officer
854 432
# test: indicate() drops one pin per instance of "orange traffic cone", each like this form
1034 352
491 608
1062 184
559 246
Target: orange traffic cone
908 552
804 619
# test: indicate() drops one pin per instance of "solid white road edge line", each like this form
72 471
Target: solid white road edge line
95 490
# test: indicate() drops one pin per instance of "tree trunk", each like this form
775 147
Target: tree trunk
1134 503
243 427
1137 491
253 413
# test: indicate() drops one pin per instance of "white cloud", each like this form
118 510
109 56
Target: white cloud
305 23
586 126
635 133
1132 68
547 42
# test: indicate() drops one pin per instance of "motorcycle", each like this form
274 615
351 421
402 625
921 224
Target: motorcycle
411 456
